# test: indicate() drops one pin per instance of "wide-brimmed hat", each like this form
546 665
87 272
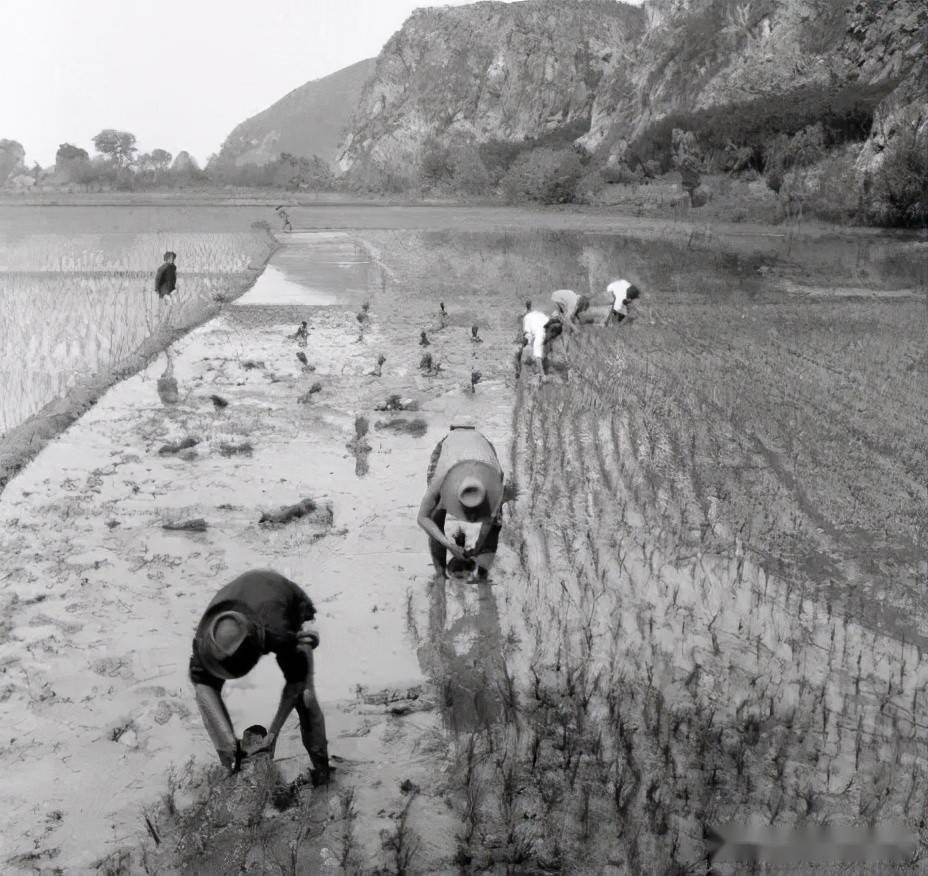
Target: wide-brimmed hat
472 490
229 643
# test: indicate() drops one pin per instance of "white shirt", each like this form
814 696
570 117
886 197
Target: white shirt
617 289
533 325
567 300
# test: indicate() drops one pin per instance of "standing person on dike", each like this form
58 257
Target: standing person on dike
260 612
464 479
166 276
623 294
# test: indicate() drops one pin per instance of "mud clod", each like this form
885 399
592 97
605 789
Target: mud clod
219 402
303 508
194 524
244 449
398 403
307 396
415 428
177 446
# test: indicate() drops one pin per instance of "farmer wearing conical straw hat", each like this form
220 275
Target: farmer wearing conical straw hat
465 480
260 612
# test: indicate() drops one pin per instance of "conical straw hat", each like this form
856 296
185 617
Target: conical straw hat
472 490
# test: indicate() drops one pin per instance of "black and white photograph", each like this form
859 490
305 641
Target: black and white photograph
486 437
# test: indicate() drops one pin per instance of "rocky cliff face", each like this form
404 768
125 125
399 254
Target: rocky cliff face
511 71
489 71
703 53
310 120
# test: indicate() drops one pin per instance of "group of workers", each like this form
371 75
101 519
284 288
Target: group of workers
571 309
262 612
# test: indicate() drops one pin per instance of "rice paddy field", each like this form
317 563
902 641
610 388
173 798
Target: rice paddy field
721 524
709 602
73 303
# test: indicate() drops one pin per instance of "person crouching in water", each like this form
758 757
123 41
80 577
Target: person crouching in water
166 276
260 612
623 294
538 331
464 480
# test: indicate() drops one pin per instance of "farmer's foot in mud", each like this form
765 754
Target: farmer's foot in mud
321 777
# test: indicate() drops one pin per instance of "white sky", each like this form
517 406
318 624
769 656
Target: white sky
179 74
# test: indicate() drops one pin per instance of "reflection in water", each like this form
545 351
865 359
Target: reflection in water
462 653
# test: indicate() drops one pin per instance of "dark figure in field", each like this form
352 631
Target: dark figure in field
302 332
623 294
424 340
538 331
475 334
284 218
166 276
465 480
260 612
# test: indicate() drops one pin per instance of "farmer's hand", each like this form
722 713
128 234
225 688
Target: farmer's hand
457 551
266 746
308 635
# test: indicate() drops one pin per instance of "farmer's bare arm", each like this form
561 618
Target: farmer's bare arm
216 719
426 510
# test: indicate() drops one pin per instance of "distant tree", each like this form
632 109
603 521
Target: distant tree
11 159
117 146
68 153
160 159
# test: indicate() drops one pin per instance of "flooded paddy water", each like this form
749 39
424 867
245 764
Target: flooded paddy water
706 603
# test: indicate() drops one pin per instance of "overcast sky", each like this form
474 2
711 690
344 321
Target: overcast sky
179 74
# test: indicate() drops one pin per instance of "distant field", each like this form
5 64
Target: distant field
77 296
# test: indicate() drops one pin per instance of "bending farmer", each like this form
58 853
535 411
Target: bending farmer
260 612
538 330
570 304
464 480
623 294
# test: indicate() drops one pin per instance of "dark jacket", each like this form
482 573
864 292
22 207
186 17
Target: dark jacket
166 279
274 602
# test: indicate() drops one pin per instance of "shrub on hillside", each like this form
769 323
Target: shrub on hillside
546 175
435 165
744 130
899 187
498 156
620 173
783 153
589 187
469 176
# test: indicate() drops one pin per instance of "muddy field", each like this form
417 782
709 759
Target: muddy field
708 602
